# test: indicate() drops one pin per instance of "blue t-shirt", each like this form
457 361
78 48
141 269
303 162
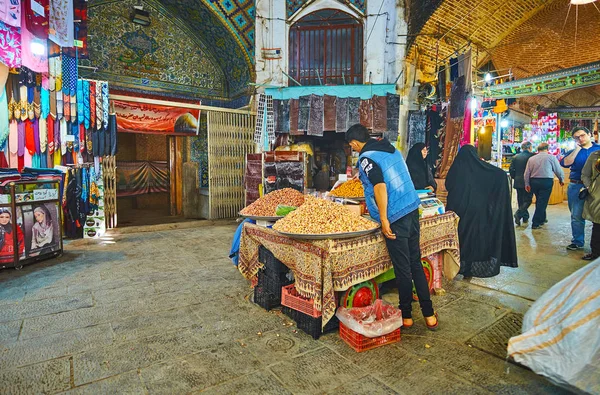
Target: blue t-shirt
579 162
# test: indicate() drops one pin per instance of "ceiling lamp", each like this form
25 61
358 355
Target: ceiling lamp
581 2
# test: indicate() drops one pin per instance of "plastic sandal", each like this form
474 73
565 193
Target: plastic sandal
437 323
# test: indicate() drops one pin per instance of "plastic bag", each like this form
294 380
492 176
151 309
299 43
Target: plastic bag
372 321
561 332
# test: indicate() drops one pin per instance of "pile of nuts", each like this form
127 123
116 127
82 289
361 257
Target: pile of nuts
349 189
320 216
267 205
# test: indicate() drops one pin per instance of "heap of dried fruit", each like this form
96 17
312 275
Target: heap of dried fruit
266 206
320 216
351 188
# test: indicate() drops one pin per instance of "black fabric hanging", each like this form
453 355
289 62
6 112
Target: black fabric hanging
434 122
479 194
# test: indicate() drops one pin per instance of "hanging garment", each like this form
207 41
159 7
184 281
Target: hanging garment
61 22
66 106
4 122
86 103
453 69
341 115
73 102
74 132
465 70
451 145
434 122
57 135
480 194
458 98
303 113
13 144
63 136
101 142
58 68
353 111
379 114
107 144
441 85
43 134
466 134
29 138
37 23
45 96
10 12
10 45
50 135
100 106
23 97
35 60
366 113
95 143
393 117
59 104
81 138
89 147
57 157
329 109
66 70
417 125
27 159
36 135
12 90
80 107
294 113
315 121
53 103
112 129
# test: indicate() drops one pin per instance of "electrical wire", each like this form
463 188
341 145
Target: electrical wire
375 23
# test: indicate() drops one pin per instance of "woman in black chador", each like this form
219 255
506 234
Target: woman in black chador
420 173
479 193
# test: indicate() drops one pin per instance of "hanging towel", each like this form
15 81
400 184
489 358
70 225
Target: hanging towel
353 111
315 121
341 114
303 113
329 109
366 113
393 114
294 112
379 114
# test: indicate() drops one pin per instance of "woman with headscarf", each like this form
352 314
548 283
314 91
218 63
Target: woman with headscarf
479 194
7 234
43 229
420 173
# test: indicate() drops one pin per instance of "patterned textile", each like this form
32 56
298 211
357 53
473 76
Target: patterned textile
417 125
59 104
10 12
323 266
61 22
458 98
80 116
281 111
393 114
329 110
99 106
35 61
86 103
379 114
454 130
43 130
4 124
366 113
303 113
50 137
294 113
10 45
353 111
92 104
260 118
341 115
315 121
270 117
35 23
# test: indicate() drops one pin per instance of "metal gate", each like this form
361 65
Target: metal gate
109 172
230 138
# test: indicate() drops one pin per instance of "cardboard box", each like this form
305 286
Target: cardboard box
355 208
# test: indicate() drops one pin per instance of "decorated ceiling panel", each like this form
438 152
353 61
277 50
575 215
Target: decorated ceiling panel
159 57
293 6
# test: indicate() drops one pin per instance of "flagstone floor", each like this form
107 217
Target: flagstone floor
166 312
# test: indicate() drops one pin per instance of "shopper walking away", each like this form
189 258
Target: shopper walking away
420 173
392 200
539 180
479 194
517 171
591 208
575 160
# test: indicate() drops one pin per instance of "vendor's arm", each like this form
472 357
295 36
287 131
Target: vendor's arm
381 198
568 160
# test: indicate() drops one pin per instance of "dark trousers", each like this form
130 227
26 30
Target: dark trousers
595 242
542 189
524 200
405 253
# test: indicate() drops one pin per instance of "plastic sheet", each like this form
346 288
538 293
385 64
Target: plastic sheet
372 321
561 332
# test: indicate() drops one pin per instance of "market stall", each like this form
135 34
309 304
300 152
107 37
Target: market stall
322 267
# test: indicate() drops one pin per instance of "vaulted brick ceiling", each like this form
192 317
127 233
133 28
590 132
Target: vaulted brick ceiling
526 36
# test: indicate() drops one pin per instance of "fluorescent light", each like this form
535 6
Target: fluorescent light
38 48
580 2
504 123
473 104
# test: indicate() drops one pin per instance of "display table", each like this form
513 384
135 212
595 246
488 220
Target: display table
322 267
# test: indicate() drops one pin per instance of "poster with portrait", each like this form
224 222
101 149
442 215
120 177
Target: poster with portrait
41 226
10 230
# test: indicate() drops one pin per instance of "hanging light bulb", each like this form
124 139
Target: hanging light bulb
504 123
37 48
581 2
487 78
473 104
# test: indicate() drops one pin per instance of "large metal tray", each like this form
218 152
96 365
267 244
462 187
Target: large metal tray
347 235
258 218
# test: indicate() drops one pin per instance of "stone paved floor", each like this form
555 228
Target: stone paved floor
166 312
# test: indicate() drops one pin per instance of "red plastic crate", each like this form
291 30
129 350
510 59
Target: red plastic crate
292 299
362 343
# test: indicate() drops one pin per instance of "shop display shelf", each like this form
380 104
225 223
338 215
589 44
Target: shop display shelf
271 263
267 292
360 343
292 299
311 325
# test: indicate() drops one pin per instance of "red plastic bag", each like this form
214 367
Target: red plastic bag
372 321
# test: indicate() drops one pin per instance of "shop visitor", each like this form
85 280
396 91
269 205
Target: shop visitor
539 180
517 172
420 172
591 208
393 201
575 160
479 194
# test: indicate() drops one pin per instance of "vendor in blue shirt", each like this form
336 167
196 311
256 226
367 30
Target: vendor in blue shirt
575 160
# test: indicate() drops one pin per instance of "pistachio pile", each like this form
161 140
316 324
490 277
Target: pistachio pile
266 206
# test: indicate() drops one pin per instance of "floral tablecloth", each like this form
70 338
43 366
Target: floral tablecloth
322 267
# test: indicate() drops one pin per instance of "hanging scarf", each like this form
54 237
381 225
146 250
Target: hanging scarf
50 137
73 100
36 135
43 133
10 12
61 22
80 104
66 106
86 103
105 104
29 137
10 45
93 104
34 61
58 71
12 90
63 136
23 102
81 138
99 106
37 24
21 138
59 105
74 131
13 143
45 97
